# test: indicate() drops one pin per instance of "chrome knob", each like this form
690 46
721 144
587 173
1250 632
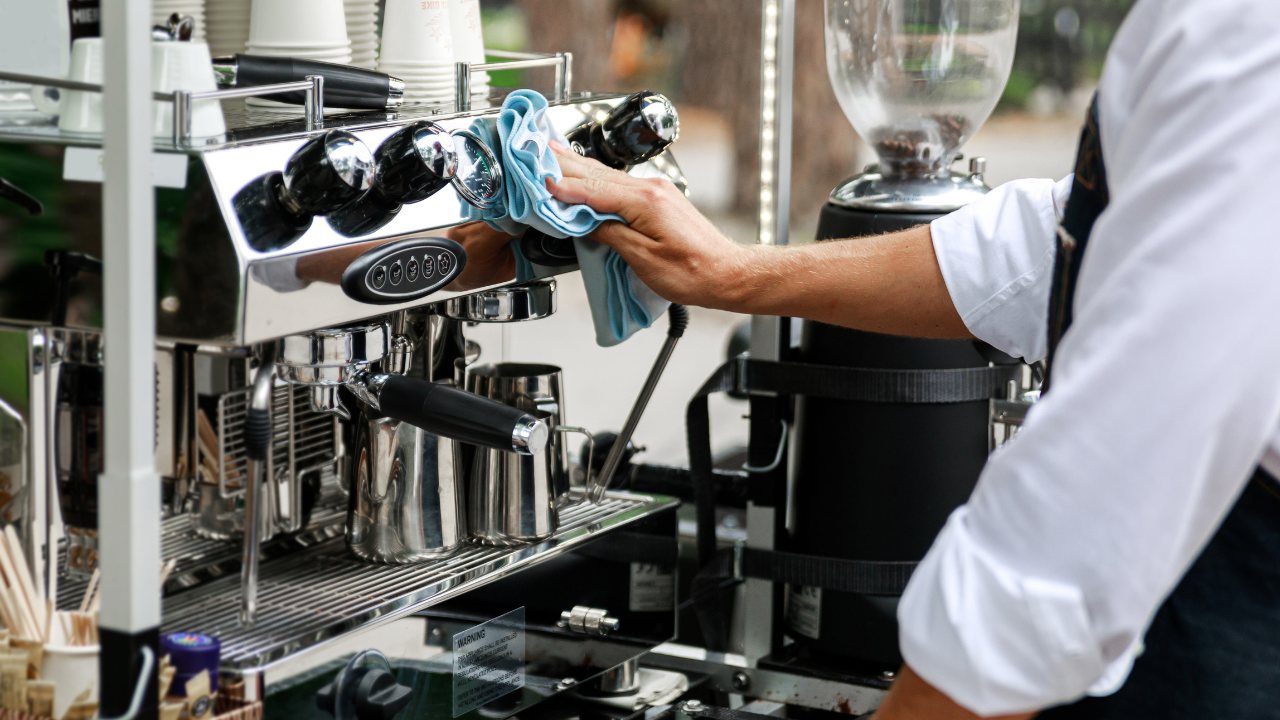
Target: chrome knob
415 163
638 130
327 172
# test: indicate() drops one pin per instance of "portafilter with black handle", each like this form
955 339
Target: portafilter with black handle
333 359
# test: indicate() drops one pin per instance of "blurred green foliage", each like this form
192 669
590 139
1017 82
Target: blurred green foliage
1062 45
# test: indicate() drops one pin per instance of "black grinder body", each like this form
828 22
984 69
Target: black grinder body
876 481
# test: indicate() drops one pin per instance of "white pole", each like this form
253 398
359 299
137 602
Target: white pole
129 489
777 55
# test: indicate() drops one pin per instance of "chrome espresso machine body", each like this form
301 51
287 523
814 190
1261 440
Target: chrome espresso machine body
307 336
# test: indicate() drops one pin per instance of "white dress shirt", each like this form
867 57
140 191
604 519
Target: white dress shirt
1166 390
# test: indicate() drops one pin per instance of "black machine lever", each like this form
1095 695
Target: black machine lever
377 697
65 266
21 197
457 414
344 86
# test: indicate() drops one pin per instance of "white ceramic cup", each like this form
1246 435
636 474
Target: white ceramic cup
416 31
297 23
184 66
73 669
81 112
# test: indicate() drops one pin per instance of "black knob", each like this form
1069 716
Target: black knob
269 219
415 163
379 696
542 249
638 129
326 173
363 216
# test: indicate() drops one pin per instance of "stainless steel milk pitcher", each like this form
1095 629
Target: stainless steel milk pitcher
406 501
516 499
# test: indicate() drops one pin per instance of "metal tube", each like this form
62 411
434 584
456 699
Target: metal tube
462 97
559 88
314 106
517 64
247 92
568 75
614 458
253 499
515 54
181 116
66 84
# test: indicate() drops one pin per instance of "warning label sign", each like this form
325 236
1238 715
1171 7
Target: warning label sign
488 662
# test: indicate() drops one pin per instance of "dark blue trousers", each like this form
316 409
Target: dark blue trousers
1213 650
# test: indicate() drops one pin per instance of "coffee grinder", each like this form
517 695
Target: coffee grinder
876 480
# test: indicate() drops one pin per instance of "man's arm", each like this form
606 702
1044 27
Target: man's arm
889 283
911 698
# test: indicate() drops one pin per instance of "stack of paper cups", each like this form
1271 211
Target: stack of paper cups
417 47
162 9
362 31
306 29
226 26
468 40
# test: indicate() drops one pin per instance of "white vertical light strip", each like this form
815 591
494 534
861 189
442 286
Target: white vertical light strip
777 62
129 489
777 46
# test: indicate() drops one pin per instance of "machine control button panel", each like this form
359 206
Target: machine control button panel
403 270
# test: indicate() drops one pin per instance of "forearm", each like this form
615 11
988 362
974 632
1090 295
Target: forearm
889 284
911 698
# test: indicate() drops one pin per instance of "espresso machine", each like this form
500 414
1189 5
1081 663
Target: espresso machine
876 480
314 425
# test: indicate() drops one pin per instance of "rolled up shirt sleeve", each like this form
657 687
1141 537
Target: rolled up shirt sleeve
1166 390
996 257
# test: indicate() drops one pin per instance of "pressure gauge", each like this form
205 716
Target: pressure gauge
479 177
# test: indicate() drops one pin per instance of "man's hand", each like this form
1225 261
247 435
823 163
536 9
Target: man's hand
489 257
670 245
889 284
911 698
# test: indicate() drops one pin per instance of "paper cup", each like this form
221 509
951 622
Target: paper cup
299 49
73 669
338 55
293 23
468 35
417 31
185 66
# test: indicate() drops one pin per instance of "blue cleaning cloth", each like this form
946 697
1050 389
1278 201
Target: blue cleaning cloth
621 304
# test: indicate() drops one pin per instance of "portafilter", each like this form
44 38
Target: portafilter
328 360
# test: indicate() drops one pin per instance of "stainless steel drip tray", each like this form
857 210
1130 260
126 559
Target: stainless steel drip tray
201 559
322 593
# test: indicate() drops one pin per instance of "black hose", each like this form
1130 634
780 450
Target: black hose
257 422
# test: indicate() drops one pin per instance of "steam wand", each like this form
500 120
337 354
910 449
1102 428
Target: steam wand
679 316
257 442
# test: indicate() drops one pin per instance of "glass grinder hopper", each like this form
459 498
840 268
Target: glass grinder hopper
916 78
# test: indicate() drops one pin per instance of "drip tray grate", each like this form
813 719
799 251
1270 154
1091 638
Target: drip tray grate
201 559
323 592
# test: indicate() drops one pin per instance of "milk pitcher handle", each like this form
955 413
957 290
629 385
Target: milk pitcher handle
594 489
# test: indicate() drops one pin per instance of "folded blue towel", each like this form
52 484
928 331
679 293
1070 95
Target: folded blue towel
620 303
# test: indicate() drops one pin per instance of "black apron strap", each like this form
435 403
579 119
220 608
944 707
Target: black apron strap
1089 197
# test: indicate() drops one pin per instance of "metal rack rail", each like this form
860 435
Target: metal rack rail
320 594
